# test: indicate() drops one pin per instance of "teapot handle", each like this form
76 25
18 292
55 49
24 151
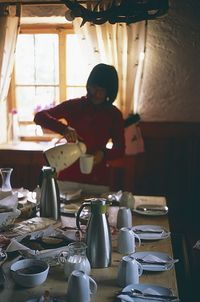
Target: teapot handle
84 204
62 257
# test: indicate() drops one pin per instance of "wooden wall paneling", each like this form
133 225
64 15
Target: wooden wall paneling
170 166
183 184
153 168
26 166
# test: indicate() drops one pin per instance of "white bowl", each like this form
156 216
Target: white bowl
8 218
29 272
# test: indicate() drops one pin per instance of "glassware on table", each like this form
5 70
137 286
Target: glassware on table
75 258
6 175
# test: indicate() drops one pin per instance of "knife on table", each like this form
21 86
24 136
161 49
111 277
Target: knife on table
151 296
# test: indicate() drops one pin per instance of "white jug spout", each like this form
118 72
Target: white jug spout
82 147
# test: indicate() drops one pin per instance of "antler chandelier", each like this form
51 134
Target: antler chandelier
116 11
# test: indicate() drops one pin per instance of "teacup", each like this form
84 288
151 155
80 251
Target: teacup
124 218
86 162
126 241
80 287
129 271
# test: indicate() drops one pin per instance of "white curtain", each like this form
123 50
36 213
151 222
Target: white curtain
9 28
120 45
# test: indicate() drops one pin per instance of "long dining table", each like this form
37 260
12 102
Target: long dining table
106 278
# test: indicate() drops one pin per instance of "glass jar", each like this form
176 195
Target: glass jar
6 175
75 258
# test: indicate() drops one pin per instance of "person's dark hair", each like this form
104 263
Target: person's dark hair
105 76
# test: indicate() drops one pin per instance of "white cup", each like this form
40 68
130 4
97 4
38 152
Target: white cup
86 162
126 241
129 271
124 218
80 287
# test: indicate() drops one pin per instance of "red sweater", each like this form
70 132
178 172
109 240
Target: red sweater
96 124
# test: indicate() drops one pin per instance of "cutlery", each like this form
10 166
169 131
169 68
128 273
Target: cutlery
161 262
138 231
135 293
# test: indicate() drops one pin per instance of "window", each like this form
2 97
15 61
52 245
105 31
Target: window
49 68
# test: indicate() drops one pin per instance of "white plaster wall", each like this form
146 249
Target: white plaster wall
171 79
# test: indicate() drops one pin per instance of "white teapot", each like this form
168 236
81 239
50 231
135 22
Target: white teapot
64 155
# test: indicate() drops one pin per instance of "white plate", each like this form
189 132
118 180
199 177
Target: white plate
147 288
151 210
151 236
154 267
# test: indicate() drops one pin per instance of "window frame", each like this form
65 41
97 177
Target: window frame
62 31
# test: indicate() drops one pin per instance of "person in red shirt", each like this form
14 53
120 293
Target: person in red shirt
94 120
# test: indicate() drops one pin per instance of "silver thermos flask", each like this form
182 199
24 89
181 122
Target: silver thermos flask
50 197
98 236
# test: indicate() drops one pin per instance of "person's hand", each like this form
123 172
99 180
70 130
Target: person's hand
98 157
70 134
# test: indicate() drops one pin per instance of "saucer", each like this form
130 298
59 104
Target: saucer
150 232
151 210
154 267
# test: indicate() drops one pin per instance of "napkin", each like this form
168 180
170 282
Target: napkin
146 232
197 245
17 246
154 235
152 259
8 201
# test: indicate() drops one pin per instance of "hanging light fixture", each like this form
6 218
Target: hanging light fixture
115 11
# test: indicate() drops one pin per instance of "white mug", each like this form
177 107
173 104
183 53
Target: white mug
80 287
124 218
126 241
129 271
86 162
